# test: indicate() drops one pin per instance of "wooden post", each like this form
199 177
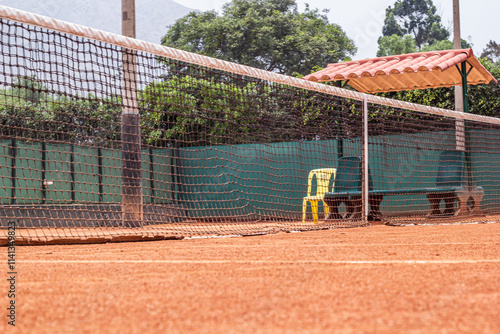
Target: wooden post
132 201
459 102
128 18
462 100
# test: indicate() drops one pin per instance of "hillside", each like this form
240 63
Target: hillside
153 16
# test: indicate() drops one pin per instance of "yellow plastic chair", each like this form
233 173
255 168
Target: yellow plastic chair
323 178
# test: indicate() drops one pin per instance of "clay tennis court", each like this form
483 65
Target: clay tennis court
383 279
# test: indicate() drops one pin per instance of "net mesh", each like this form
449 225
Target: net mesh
99 142
431 168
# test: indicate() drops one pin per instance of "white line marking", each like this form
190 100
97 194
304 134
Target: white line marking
265 262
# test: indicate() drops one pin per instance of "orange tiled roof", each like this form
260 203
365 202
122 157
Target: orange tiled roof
404 72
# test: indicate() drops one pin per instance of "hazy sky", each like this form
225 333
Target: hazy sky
363 19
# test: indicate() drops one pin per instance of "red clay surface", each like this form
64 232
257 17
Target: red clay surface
380 279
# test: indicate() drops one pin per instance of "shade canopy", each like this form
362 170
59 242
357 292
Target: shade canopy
405 72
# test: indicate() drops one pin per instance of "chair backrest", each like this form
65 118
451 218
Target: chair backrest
350 175
450 169
323 178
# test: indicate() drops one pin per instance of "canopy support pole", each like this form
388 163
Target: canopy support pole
468 159
464 73
340 140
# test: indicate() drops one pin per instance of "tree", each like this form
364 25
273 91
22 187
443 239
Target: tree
267 34
445 45
28 111
492 51
417 18
485 99
29 88
395 45
202 112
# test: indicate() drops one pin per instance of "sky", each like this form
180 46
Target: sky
362 20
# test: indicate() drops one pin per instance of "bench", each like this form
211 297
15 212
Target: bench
449 188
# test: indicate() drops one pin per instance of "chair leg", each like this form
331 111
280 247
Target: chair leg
304 210
326 209
314 209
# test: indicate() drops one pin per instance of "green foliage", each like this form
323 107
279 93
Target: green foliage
444 45
187 110
195 111
28 88
492 51
182 110
485 99
417 18
267 34
167 110
28 111
391 25
395 45
412 26
437 46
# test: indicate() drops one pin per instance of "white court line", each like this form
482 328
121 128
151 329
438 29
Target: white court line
265 261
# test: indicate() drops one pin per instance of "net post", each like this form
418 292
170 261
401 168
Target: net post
132 197
365 190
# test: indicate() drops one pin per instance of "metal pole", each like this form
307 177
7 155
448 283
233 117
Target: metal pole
468 158
340 140
464 87
132 201
365 207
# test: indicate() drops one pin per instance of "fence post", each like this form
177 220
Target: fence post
151 174
174 172
72 171
132 196
100 174
365 190
44 172
13 176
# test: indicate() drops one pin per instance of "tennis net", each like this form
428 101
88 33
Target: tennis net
108 138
